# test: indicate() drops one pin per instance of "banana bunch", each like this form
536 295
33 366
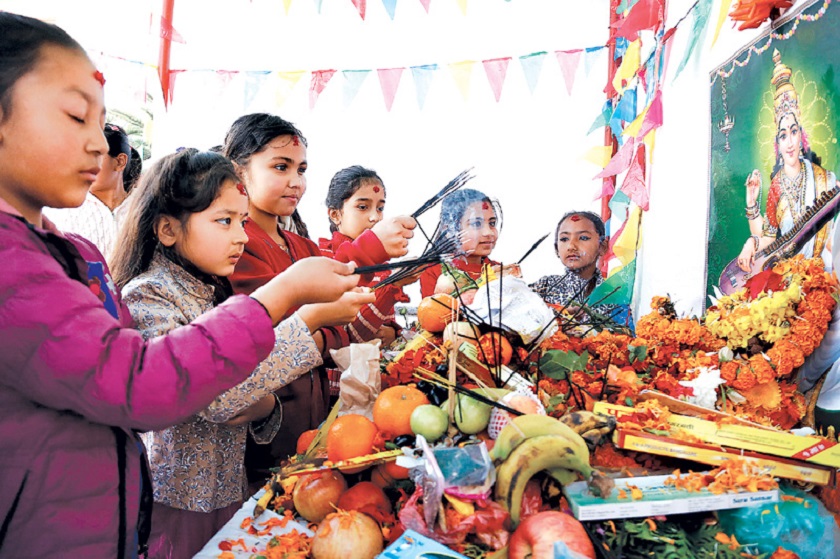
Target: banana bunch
593 427
532 443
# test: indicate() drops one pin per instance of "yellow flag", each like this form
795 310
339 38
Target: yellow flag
286 83
599 155
286 4
724 10
462 73
633 128
626 245
463 5
629 64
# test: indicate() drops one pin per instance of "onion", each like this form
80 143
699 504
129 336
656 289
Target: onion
347 535
315 495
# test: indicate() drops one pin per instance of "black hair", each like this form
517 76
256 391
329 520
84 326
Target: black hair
132 171
249 134
596 220
177 185
344 184
21 39
454 206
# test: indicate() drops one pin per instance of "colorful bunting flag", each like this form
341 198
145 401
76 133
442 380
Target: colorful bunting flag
318 5
168 32
625 111
426 4
320 79
462 4
390 7
602 119
389 79
599 155
619 206
646 14
630 238
169 89
462 74
624 6
286 83
496 70
361 5
422 81
592 57
634 185
629 64
286 4
617 289
568 60
253 84
607 186
620 161
353 80
725 6
531 67
653 116
698 31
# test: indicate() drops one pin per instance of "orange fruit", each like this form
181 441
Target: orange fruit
305 440
395 471
495 348
385 475
436 311
364 494
392 409
349 436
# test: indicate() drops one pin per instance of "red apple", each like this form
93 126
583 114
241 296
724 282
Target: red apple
536 535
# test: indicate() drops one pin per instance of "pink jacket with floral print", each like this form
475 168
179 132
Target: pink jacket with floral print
76 379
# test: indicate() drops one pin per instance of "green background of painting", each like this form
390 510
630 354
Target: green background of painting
812 55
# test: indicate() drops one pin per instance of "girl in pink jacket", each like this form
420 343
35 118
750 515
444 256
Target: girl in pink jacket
76 379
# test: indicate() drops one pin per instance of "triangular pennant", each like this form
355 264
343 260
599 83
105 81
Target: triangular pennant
361 5
599 155
225 76
389 79
617 289
607 187
619 205
462 73
634 184
320 79
624 6
253 83
633 128
531 66
353 80
318 5
653 115
426 4
169 88
168 32
463 5
422 80
621 45
496 70
625 111
591 57
646 14
629 64
725 5
701 11
630 239
287 82
568 60
602 119
619 162
390 7
286 4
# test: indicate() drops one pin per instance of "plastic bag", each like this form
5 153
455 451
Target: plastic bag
360 377
799 523
510 302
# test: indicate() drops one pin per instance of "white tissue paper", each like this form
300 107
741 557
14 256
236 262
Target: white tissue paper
360 381
518 310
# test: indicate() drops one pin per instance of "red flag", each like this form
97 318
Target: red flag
168 32
645 14
634 185
167 83
620 161
568 60
361 5
389 79
320 79
496 70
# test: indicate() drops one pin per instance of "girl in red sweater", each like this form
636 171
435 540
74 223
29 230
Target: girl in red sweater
270 157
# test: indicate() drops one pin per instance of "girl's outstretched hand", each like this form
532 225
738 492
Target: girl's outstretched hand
337 313
310 280
394 234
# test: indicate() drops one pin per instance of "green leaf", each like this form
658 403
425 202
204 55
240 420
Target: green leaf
557 364
637 353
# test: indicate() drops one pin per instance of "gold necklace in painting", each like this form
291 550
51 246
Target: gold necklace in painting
794 190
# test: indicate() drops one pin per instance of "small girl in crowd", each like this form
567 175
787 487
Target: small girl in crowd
471 217
356 202
186 223
579 242
75 377
270 157
97 218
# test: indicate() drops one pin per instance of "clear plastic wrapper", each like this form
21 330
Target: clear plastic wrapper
509 302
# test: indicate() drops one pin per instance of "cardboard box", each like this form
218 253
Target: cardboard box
412 545
814 450
657 499
716 455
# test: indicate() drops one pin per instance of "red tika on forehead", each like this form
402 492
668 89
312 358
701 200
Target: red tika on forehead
295 141
485 206
241 188
575 218
376 190
99 77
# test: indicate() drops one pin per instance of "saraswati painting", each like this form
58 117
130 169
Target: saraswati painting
775 110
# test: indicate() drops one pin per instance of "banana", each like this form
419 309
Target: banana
543 452
582 421
263 502
524 427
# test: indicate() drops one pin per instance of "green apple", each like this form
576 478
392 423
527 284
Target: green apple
471 416
430 421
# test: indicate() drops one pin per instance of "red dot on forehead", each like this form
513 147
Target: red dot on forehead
376 189
99 77
295 141
485 206
241 188
575 218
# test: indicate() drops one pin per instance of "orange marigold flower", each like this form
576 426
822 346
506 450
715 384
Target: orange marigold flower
745 380
728 371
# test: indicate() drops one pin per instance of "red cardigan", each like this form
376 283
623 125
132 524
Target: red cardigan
430 275
366 248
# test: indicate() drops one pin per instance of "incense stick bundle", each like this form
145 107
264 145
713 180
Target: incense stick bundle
434 254
453 185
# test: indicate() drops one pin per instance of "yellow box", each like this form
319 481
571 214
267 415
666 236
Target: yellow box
715 456
812 449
